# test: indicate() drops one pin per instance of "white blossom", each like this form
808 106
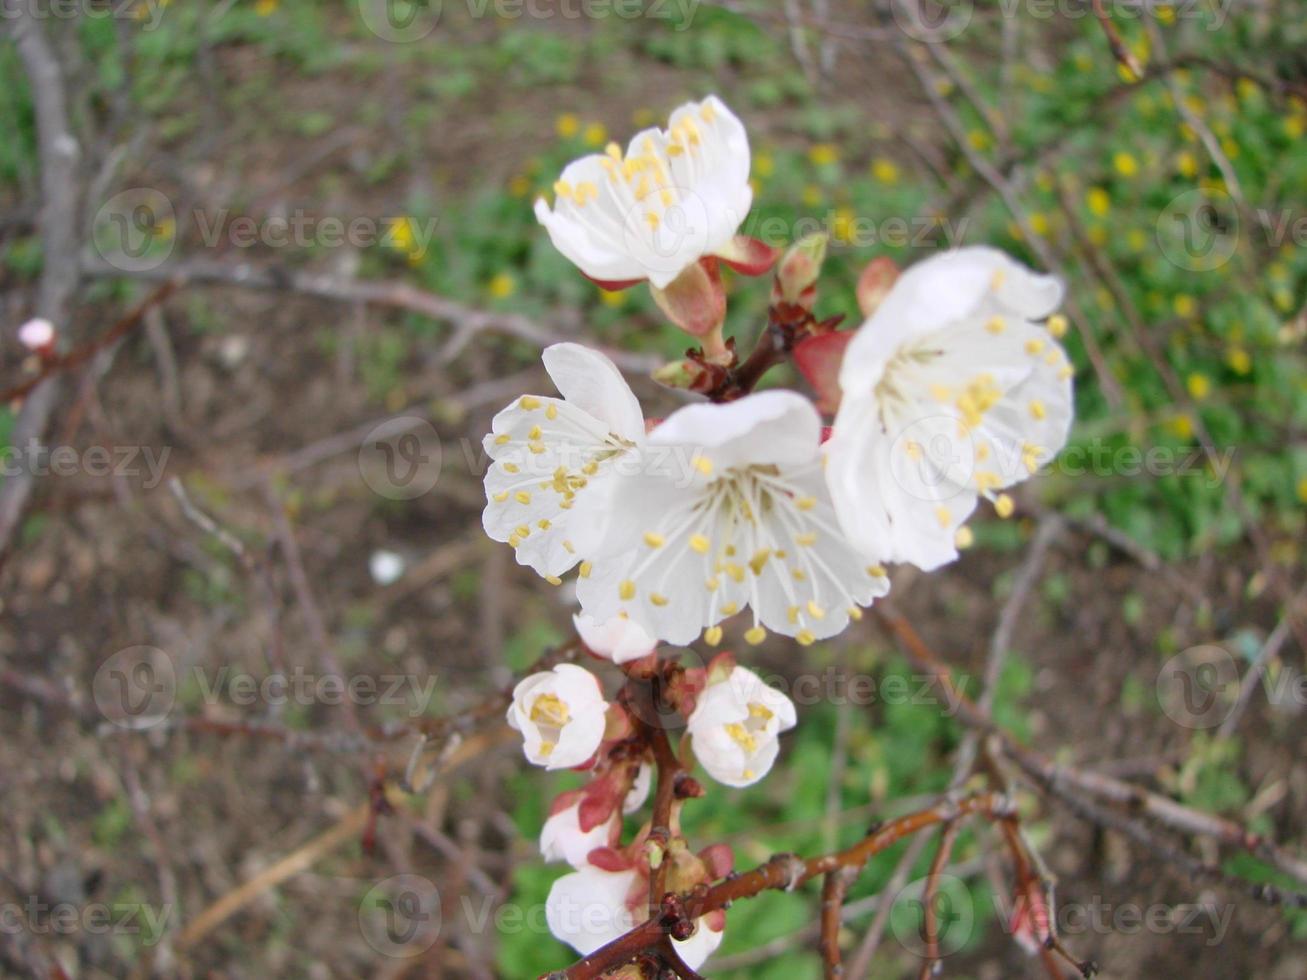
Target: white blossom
951 390
673 197
591 907
618 639
561 715
552 456
562 839
36 334
735 727
386 567
723 507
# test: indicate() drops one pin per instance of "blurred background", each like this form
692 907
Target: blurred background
289 254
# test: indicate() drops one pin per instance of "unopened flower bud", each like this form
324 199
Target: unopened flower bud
797 272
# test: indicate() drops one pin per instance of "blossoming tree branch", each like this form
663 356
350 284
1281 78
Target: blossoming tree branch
757 511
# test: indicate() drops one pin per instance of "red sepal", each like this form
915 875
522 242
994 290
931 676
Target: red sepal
818 360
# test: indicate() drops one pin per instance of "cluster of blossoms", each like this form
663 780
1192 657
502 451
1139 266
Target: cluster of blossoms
743 504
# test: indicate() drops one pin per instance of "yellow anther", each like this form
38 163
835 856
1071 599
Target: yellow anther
569 547
562 188
700 544
703 464
798 574
1034 345
500 498
712 635
876 571
585 569
522 497
815 611
551 411
510 468
522 531
1057 325
626 590
503 439
806 503
712 583
707 113
551 710
855 614
755 635
658 599
590 468
964 537
528 403
1037 410
807 539
1004 505
544 525
653 539
614 151
534 433
805 638
730 609
995 325
652 220
792 614
997 279
759 560
941 393
553 580
735 571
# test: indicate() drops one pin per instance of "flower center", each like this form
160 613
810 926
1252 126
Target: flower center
745 734
549 713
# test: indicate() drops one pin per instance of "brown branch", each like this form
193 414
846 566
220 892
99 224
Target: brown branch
58 152
948 836
784 872
833 890
397 295
1057 778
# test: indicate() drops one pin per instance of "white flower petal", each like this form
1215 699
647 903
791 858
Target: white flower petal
618 639
587 908
735 726
700 946
562 839
674 197
740 517
592 382
561 715
639 791
951 391
553 458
